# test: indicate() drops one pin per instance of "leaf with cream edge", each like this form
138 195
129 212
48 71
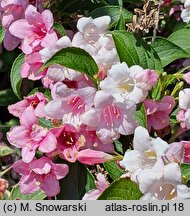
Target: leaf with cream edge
122 189
76 59
134 50
15 77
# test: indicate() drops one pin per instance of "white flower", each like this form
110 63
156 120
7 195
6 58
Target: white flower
146 151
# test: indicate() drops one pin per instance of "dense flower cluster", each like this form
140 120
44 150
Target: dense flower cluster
82 119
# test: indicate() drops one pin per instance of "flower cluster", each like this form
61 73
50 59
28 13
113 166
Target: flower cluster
77 117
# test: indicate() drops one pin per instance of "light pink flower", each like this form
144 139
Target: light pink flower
37 101
128 83
186 77
90 157
40 174
11 11
158 112
69 104
183 115
31 136
35 30
101 185
110 118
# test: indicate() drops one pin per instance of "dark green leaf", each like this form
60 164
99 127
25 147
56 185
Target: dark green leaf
135 51
5 150
180 38
2 34
76 59
113 169
73 185
15 77
122 189
141 117
168 51
185 172
59 28
120 25
17 195
45 123
90 184
7 97
114 12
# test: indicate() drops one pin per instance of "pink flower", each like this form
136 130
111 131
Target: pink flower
90 157
69 104
40 174
158 112
30 135
68 142
183 115
186 77
101 185
37 101
186 145
12 10
35 30
110 118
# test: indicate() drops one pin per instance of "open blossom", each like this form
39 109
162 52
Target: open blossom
40 174
128 83
11 11
71 146
71 105
185 14
31 136
101 185
35 30
92 37
37 101
183 115
110 118
186 156
158 112
146 151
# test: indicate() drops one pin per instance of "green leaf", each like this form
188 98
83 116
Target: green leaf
185 172
119 147
76 59
180 38
73 185
120 25
45 123
2 34
7 97
45 91
5 150
59 28
134 50
90 184
114 12
17 195
122 189
141 117
113 169
15 77
168 51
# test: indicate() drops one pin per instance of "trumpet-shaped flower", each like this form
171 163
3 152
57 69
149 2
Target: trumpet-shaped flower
146 151
37 101
31 136
40 174
110 118
128 83
35 30
158 112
